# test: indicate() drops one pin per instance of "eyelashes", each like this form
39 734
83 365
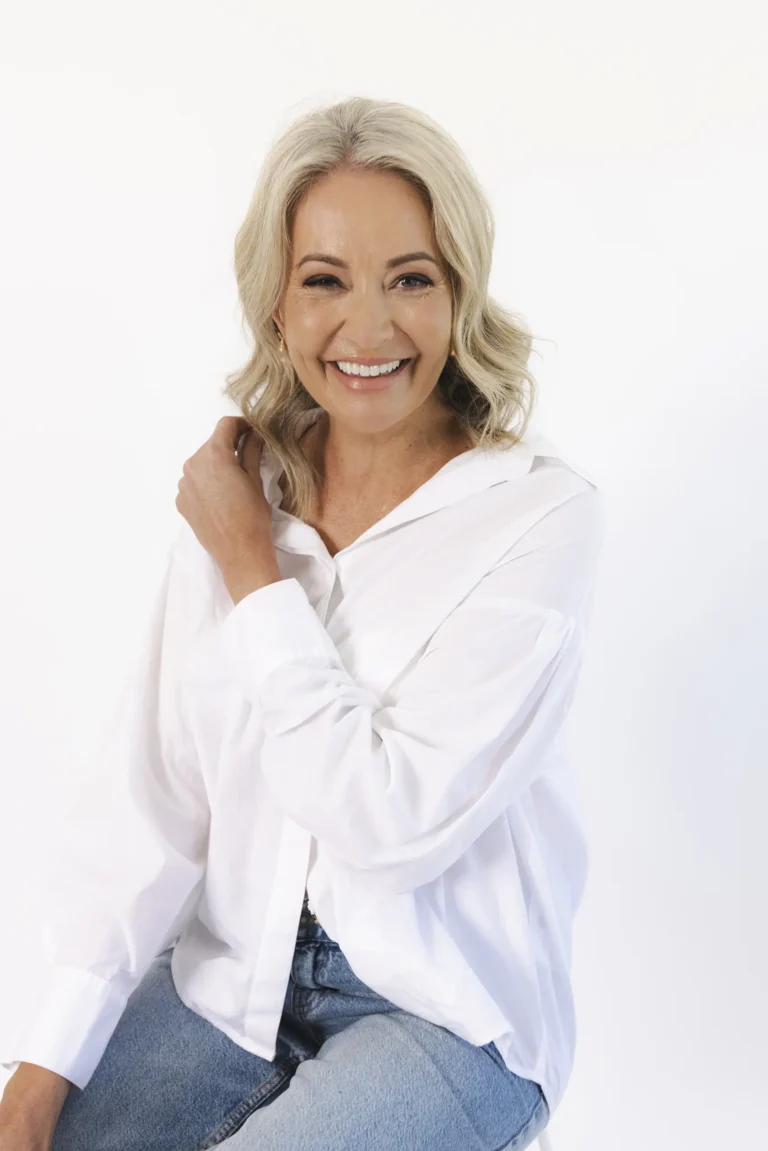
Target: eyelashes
317 281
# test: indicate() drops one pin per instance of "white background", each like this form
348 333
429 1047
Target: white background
623 147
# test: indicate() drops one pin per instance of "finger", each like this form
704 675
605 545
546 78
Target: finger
242 444
228 430
250 455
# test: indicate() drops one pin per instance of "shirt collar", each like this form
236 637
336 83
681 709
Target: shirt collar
465 474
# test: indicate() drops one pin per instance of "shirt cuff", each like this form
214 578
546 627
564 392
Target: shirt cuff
74 1017
273 626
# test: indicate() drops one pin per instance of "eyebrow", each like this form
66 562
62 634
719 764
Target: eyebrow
393 263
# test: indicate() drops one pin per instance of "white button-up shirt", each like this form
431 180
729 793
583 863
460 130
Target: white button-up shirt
383 727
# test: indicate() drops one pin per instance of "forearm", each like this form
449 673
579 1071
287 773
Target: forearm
37 1093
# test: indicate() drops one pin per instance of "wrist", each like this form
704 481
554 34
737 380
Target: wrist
31 1083
247 574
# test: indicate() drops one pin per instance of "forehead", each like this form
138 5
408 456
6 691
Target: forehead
362 210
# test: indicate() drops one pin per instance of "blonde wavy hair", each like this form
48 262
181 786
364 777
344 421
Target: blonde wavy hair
485 382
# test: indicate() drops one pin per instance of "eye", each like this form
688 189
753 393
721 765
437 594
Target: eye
324 281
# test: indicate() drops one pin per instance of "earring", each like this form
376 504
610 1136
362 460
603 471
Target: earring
282 346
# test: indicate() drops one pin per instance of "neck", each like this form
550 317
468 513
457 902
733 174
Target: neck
360 461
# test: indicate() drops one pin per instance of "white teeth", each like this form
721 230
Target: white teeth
350 369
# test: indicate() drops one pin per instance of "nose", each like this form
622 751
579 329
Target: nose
368 322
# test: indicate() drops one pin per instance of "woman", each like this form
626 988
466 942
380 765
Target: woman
321 895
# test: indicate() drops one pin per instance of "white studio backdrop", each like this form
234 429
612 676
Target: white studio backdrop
623 148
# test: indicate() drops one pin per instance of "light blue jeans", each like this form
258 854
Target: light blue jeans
352 1072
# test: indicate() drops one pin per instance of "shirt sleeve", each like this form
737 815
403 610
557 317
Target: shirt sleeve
402 790
125 863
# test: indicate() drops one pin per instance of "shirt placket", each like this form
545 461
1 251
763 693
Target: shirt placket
329 598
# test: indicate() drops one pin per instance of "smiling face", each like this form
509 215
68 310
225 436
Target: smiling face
357 305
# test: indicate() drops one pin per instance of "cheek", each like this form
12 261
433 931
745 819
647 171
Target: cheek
309 318
312 325
430 317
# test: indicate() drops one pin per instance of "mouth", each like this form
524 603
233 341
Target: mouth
369 383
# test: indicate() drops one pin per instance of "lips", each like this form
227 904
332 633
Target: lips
369 383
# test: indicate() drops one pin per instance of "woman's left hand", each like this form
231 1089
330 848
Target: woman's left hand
226 509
